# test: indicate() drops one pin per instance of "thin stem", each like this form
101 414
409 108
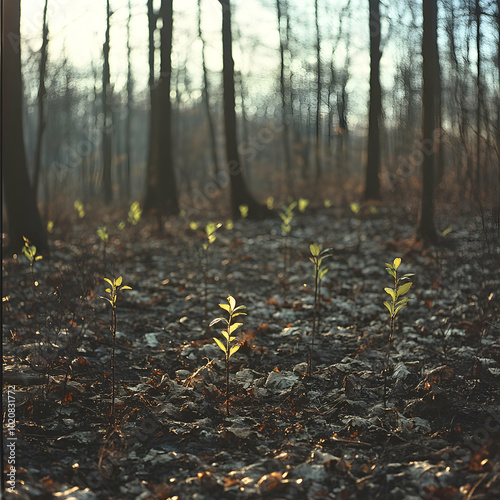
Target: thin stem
227 362
315 310
113 309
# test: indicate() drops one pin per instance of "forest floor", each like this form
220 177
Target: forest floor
288 436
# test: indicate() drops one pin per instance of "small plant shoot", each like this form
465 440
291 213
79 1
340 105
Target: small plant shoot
286 215
229 347
303 204
317 257
394 305
210 237
134 214
243 211
115 286
79 208
29 252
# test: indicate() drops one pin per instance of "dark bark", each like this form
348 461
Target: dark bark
41 101
130 86
479 91
106 131
206 99
284 105
23 217
372 181
426 231
161 194
317 149
240 194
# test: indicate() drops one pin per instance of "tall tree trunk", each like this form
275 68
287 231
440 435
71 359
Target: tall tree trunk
317 149
240 194
426 230
372 182
479 90
130 86
41 101
161 194
284 105
106 131
23 217
206 99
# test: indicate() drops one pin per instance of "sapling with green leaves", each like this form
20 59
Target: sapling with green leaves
229 347
210 237
318 255
134 213
102 232
115 287
286 215
29 252
394 306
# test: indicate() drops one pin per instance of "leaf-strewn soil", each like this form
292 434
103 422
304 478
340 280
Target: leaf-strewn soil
288 436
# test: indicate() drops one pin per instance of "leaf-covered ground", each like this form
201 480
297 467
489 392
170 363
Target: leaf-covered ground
289 436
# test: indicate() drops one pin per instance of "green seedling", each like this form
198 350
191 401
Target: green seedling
210 237
134 214
394 306
79 208
229 347
102 232
327 203
303 204
286 215
29 252
270 203
115 286
50 226
243 211
317 257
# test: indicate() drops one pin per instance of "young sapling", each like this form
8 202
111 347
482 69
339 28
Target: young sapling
102 232
229 347
134 213
115 287
394 306
210 237
286 215
317 257
29 252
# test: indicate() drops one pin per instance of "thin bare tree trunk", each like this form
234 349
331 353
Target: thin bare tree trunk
41 101
317 149
426 230
106 131
206 99
284 106
130 86
372 182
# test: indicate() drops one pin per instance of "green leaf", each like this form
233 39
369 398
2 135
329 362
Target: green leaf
322 272
406 276
404 288
389 306
231 301
108 290
391 292
225 335
126 287
402 301
226 307
396 263
234 349
355 208
215 321
239 314
234 326
109 281
391 271
118 281
315 249
303 203
220 344
400 307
